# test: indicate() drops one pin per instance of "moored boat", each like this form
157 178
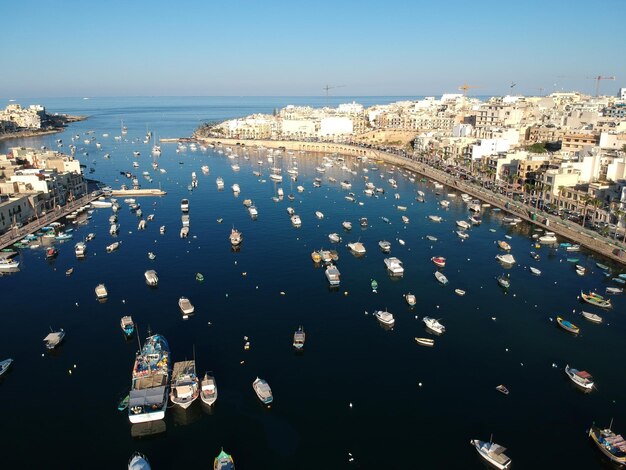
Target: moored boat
357 248
151 277
298 339
101 292
410 299
334 237
535 271
425 341
186 307
113 246
439 261
54 338
263 391
385 246
384 317
5 365
504 245
492 453
507 259
441 278
592 317
223 461
502 389
610 444
614 290
127 325
394 266
567 326
235 237
333 275
185 387
596 299
434 325
582 378
208 390
504 281
138 461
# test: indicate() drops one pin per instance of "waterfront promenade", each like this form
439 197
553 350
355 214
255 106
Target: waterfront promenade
610 248
17 234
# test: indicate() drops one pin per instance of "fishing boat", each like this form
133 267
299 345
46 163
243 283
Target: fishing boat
127 325
235 237
504 245
410 299
296 221
334 237
506 259
435 218
54 338
184 205
463 224
610 444
502 389
263 391
434 325
346 225
394 266
80 249
138 461
363 222
535 271
151 278
113 246
186 307
614 290
492 453
101 292
223 461
567 326
52 253
298 339
150 381
385 246
441 278
333 275
504 281
439 261
384 317
185 388
357 248
592 317
184 232
596 299
208 389
5 365
581 378
425 341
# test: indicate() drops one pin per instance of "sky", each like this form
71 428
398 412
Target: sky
363 48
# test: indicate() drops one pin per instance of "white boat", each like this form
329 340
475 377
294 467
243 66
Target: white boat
263 391
300 189
220 182
548 238
535 271
425 341
492 453
394 266
162 229
346 225
54 338
506 259
434 325
185 387
405 219
357 248
592 317
401 208
252 210
475 205
334 237
431 238
410 299
444 203
384 317
205 169
295 220
333 275
186 307
184 232
151 277
581 378
462 235
441 278
385 246
101 203
435 218
611 290
80 249
319 215
101 292
235 237
4 366
208 391
8 265
459 292
236 189
463 224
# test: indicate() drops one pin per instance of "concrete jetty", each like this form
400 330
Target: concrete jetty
137 192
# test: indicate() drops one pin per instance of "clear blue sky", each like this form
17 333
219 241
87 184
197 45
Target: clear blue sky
251 47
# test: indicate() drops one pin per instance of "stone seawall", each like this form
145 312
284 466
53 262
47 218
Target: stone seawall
612 249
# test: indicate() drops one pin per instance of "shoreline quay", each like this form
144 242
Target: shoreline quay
609 248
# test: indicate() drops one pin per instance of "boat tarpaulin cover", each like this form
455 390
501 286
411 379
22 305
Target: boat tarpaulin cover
147 397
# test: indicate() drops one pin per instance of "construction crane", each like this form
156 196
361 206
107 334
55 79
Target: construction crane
328 87
466 87
598 79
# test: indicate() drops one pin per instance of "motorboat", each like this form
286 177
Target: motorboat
441 278
5 365
80 249
567 326
252 210
296 221
113 246
334 237
363 222
504 245
439 261
101 292
346 225
298 339
385 246
208 389
431 238
444 203
504 281
596 299
462 235
506 259
54 338
236 189
610 444
138 461
614 290
185 384
434 325
219 182
410 299
394 266
425 341
384 317
502 389
435 218
581 378
357 248
235 237
223 461
535 271
184 232
127 325
333 275
114 228
493 453
184 205
186 307
592 317
319 215
405 219
547 238
263 391
463 224
151 278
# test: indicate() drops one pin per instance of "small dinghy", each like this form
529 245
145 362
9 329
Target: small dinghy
425 341
502 389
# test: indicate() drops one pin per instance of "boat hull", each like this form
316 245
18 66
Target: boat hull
146 417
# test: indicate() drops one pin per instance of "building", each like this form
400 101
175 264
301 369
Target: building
575 142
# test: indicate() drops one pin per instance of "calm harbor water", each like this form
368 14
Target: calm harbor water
356 389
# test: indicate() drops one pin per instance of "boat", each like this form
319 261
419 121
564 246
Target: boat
425 341
463 224
150 381
185 384
363 222
535 256
54 338
535 271
138 461
296 221
384 317
316 256
208 389
439 261
123 404
434 325
394 266
114 228
410 299
462 235
334 237
614 290
431 238
459 292
435 218
52 253
374 286
506 259
263 391
199 277
385 246
223 461
101 292
547 238
184 232
581 378
236 189
186 307
127 325
596 299
113 246
80 249
567 326
319 215
333 275
604 267
219 182
572 248
69 272
346 225
151 277
444 203
235 237
184 205
504 245
610 444
5 365
299 338
357 248
592 317
441 278
252 210
405 219
502 389
492 453
504 281
151 255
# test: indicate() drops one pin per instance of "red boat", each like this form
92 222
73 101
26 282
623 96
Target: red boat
439 261
51 253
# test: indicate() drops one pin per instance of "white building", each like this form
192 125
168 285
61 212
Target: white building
334 126
486 147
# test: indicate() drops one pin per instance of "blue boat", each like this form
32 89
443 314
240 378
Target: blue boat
619 280
573 260
602 266
622 276
128 326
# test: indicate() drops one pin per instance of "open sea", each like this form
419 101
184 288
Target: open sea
360 396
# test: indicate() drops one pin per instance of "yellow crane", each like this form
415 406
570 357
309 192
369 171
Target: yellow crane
466 87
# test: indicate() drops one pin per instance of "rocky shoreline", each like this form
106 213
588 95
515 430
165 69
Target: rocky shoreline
59 123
